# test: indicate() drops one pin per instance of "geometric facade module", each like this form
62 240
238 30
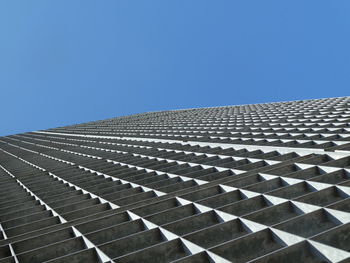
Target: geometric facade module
253 183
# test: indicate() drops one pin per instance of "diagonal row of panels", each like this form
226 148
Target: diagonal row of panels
254 183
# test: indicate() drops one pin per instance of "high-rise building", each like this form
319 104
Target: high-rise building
253 183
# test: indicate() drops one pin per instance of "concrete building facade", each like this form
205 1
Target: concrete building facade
253 183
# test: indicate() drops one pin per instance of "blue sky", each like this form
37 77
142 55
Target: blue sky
67 61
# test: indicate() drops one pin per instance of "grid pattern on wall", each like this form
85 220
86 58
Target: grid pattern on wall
253 183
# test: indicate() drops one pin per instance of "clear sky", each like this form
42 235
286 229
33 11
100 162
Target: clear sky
66 61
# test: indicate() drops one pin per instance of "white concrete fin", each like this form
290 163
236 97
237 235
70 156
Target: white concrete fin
271 162
226 188
287 238
275 200
237 158
124 182
305 208
291 181
134 185
93 195
344 189
103 257
304 166
145 189
87 242
172 175
184 178
167 234
202 208
193 164
3 232
76 232
248 194
221 169
60 217
286 140
331 253
133 216
191 247
217 258
183 201
320 142
341 151
206 166
253 226
328 169
114 179
148 224
343 217
267 176
12 251
236 171
319 186
112 205
225 216
200 182
159 193
253 160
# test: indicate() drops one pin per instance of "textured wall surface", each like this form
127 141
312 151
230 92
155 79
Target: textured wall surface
252 183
